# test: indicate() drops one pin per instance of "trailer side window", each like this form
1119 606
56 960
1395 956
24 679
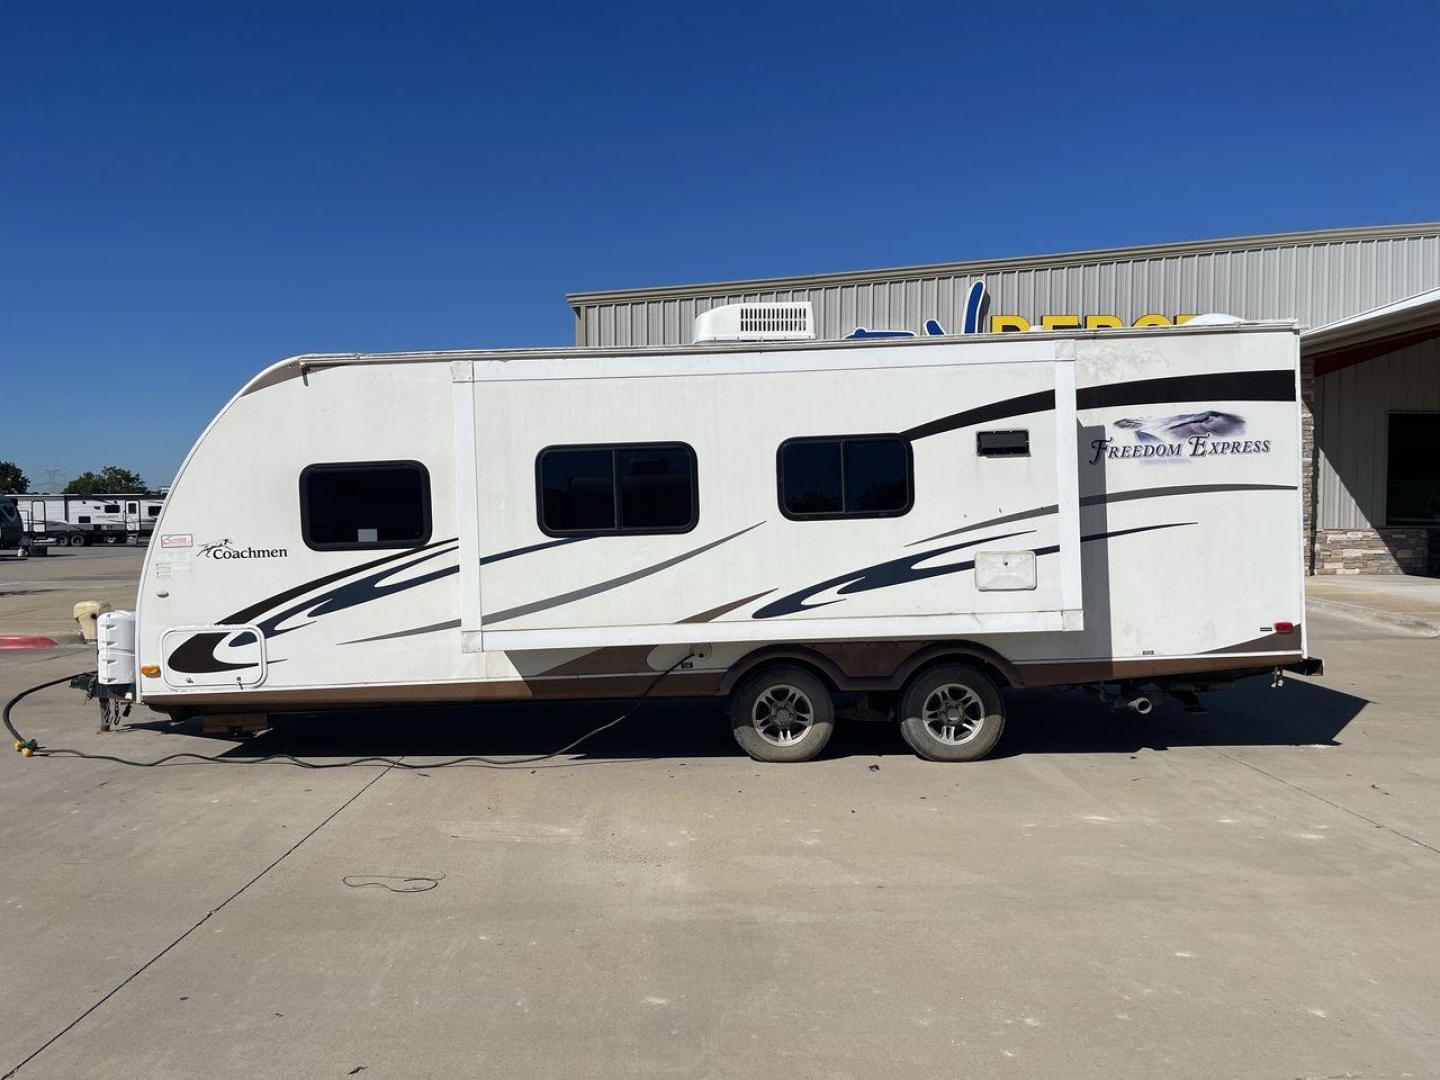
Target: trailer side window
152 511
625 488
845 476
364 504
111 508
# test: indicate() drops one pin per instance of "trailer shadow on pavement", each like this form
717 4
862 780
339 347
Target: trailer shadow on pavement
1301 713
1252 713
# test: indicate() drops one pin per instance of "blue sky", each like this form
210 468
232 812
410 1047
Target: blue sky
191 191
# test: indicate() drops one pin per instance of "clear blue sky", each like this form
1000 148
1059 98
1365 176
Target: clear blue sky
190 191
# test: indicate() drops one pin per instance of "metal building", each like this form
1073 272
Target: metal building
1371 356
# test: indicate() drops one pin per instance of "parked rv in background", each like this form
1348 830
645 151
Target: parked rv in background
77 520
11 531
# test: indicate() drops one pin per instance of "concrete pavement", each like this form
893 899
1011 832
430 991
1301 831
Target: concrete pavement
1246 894
1387 601
37 594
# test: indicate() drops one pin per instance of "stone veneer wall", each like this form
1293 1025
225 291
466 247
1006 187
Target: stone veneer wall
1307 461
1371 551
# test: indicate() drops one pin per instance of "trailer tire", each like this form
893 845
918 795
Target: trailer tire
76 540
951 712
782 713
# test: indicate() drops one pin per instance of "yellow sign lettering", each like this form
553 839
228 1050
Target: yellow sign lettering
1103 322
1006 324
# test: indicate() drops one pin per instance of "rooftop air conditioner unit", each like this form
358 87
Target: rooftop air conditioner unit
757 322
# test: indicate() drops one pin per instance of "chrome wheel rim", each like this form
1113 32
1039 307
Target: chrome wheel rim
953 714
782 715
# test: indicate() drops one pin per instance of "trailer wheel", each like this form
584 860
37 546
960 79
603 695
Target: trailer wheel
76 540
782 713
951 713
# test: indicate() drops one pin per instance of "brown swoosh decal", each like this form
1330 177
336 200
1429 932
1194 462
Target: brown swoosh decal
622 659
1269 643
716 612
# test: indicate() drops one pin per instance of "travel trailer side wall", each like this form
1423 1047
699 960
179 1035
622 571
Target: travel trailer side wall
925 520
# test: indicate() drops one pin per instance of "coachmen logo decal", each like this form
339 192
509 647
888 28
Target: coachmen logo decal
1185 435
224 549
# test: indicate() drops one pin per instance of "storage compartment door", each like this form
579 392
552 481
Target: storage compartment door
195 656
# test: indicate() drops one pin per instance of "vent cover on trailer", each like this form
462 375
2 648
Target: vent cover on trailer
757 322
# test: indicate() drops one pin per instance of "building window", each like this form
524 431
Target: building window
625 488
846 476
1412 487
364 504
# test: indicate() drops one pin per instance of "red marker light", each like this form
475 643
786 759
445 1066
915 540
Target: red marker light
1283 627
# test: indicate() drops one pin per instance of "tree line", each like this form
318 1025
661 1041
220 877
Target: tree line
110 480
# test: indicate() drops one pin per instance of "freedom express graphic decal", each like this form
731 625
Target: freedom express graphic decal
1179 437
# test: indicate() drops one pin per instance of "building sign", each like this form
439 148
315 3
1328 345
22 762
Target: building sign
975 318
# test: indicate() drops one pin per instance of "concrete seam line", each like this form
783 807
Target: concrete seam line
202 921
1313 795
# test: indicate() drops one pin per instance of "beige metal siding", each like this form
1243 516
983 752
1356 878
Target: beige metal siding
1352 409
1314 277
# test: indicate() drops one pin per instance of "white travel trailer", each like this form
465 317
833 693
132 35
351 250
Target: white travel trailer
87 519
925 521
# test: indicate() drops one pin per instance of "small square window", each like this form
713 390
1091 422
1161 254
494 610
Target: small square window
577 490
656 487
813 477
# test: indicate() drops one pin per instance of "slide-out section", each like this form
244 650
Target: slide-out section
868 493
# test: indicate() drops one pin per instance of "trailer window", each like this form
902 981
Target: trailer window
152 511
626 488
111 508
364 504
845 476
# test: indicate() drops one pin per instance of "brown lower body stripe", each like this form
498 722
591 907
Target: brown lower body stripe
876 666
1067 672
678 684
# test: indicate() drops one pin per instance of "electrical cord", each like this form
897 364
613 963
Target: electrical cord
30 748
22 744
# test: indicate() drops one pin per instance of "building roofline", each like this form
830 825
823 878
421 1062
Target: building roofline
978 267
1414 314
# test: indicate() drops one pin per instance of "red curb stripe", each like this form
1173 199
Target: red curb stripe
26 641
